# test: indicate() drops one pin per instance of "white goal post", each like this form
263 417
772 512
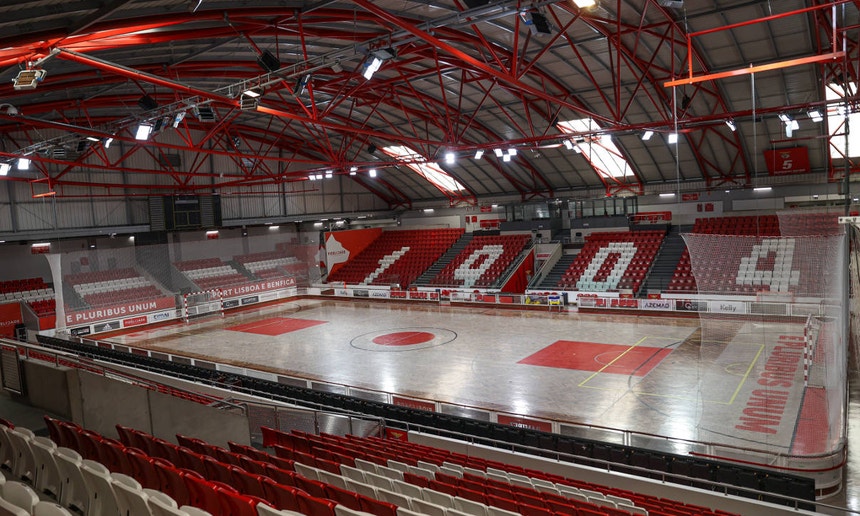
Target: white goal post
196 304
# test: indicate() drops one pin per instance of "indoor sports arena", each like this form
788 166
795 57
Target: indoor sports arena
400 258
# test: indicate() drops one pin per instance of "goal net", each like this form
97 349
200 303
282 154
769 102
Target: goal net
196 304
771 346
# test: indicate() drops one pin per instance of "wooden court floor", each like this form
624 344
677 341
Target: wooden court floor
737 383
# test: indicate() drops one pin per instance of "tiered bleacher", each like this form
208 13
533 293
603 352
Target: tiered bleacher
482 262
613 261
324 475
397 257
101 288
271 264
683 280
210 273
33 291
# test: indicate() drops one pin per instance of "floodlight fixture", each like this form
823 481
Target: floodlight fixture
672 138
568 144
584 4
815 115
372 172
647 135
143 132
178 119
92 138
253 92
302 84
506 158
28 79
371 67
23 163
108 142
498 153
5 168
731 125
512 151
450 158
328 174
353 171
785 118
479 153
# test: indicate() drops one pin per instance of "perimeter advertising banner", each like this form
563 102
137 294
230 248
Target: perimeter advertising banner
794 160
342 246
10 315
119 311
259 286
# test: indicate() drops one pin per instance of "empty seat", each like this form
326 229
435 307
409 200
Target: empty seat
73 491
46 508
102 499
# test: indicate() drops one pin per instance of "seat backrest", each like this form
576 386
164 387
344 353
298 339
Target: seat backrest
20 495
47 508
10 509
190 510
130 497
100 488
47 473
160 507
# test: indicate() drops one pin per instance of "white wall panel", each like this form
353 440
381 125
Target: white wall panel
35 216
75 214
138 211
6 217
109 213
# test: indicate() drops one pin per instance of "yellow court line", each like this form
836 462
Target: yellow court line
640 341
662 395
746 375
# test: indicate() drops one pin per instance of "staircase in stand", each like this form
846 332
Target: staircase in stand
443 260
667 260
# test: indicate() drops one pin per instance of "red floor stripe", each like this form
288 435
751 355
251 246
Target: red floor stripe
812 430
275 326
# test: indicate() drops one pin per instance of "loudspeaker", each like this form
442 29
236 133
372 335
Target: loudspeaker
147 103
268 61
371 148
471 4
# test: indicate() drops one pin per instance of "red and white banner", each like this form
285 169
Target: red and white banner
10 315
259 286
651 216
120 311
341 246
794 160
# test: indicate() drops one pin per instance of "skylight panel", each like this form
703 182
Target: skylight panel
427 169
598 148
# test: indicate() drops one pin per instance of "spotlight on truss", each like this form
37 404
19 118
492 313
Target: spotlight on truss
28 79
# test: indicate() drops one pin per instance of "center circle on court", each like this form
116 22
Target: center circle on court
403 339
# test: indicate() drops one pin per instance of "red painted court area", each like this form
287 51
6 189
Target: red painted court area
811 432
403 338
604 358
275 326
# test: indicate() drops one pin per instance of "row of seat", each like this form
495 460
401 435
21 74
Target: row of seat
99 276
18 499
483 262
415 251
415 461
611 261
